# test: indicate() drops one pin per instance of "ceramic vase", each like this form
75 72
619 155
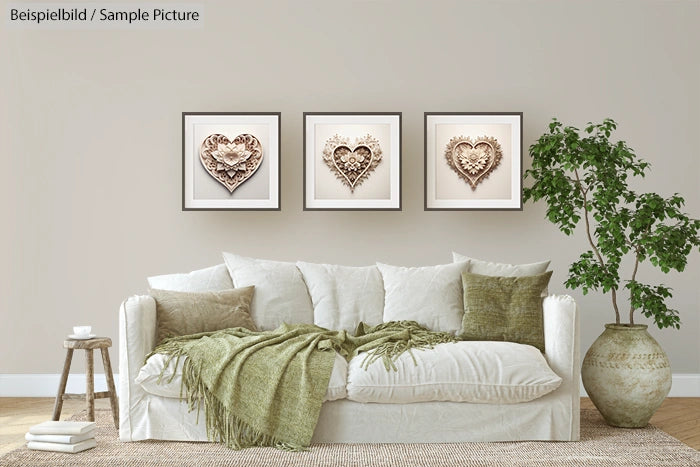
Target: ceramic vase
627 375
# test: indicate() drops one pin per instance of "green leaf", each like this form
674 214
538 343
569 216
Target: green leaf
585 176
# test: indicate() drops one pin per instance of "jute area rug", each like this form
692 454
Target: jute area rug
600 445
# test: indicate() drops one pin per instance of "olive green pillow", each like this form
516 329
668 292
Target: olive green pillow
504 308
182 313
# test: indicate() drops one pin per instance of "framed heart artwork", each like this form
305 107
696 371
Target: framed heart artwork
352 161
230 161
473 161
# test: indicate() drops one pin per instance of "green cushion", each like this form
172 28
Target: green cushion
504 308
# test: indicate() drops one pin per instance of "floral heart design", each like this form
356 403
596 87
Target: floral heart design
231 162
473 160
352 164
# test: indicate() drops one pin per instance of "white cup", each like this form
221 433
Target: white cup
82 331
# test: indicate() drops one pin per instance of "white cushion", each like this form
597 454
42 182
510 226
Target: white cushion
431 296
212 279
488 268
343 296
150 373
280 292
469 371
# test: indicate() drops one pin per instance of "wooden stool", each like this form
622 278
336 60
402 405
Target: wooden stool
102 343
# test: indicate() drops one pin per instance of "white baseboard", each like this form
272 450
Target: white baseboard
683 385
46 385
33 385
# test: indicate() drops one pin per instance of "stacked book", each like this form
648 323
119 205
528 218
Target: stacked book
63 436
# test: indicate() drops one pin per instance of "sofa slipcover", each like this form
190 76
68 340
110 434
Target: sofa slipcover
554 416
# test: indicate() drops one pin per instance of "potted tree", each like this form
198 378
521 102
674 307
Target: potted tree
584 176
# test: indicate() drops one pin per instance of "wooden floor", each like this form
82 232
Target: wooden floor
679 417
17 414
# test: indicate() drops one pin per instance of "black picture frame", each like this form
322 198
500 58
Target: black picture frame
345 202
437 166
193 169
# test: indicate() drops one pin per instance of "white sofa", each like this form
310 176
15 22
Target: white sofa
554 416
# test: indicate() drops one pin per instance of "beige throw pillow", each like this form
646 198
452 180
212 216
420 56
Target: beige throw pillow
182 313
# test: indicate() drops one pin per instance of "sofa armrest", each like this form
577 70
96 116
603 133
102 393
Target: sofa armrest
137 336
562 348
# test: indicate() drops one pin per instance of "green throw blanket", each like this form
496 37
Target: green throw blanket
266 388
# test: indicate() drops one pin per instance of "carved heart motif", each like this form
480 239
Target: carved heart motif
473 160
231 162
352 164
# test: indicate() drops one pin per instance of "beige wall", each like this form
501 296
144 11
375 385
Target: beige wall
91 142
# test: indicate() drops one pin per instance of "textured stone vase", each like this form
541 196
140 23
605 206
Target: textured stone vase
627 375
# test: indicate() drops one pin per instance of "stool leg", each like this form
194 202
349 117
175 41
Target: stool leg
58 405
110 386
90 384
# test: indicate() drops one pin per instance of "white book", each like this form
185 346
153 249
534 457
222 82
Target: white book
62 428
63 439
73 448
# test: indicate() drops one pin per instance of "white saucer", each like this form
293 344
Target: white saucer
81 338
